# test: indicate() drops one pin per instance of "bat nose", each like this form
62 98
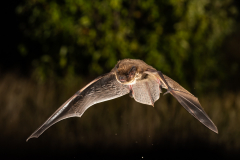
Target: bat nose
122 79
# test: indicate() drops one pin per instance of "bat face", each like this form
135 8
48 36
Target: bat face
127 76
128 71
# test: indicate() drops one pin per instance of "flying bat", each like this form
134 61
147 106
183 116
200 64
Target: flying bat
130 76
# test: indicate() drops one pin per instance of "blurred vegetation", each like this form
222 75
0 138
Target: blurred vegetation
182 38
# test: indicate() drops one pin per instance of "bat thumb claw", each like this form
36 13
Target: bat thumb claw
168 91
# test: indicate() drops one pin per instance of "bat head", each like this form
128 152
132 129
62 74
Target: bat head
126 74
128 71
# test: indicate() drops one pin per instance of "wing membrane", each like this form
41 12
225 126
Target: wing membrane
189 102
101 89
192 105
146 91
185 98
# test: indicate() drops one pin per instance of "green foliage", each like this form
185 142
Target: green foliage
182 38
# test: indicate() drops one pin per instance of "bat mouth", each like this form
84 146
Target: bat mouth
122 80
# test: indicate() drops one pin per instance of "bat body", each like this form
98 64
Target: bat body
130 76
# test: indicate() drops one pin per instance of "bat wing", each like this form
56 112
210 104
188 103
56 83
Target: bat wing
101 89
186 99
147 90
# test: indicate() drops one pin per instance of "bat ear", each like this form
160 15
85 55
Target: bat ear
115 69
117 65
132 70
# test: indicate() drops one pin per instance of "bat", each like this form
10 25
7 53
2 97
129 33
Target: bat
129 76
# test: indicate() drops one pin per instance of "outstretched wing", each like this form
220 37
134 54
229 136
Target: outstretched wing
185 98
101 89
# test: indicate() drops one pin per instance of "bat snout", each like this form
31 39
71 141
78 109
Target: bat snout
122 78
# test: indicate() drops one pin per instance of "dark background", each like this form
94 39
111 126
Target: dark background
51 49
